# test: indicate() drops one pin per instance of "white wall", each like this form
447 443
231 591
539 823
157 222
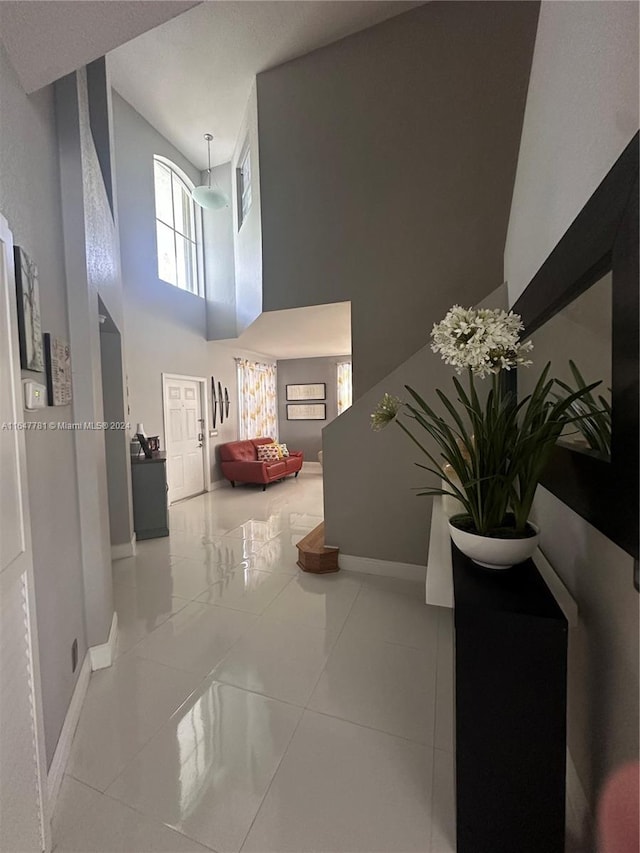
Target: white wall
167 328
582 110
219 261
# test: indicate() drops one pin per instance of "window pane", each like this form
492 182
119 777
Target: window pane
184 267
166 253
164 205
178 205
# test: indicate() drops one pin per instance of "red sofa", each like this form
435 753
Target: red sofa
239 463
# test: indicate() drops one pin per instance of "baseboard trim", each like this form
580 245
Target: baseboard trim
577 797
63 748
385 568
217 484
127 549
103 655
312 467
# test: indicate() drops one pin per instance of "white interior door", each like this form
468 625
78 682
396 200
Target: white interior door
23 821
184 437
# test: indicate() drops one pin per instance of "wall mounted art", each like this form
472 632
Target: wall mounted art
221 402
307 412
214 403
29 327
315 391
226 403
58 366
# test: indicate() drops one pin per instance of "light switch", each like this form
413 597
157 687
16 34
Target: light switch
35 395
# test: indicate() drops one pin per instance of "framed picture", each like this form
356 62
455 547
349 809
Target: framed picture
58 364
317 391
29 328
307 412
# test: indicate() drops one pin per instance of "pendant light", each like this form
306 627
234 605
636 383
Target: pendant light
207 196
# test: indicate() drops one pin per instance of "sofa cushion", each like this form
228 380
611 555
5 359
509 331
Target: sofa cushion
238 451
275 469
268 453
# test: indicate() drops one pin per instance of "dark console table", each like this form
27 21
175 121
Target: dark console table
149 487
511 674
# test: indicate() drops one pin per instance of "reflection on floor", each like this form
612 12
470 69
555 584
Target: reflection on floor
256 708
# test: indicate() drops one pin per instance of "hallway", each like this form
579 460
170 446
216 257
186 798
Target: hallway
256 708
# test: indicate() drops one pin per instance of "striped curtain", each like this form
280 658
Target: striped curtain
257 399
345 392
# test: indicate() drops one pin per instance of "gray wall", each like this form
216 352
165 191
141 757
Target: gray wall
30 200
307 435
370 478
387 163
582 110
116 440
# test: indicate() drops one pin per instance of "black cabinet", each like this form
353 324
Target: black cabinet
511 674
149 486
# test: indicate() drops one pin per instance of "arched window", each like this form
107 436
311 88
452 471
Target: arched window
177 227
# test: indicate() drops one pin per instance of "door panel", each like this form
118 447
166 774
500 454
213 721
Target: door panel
185 451
23 825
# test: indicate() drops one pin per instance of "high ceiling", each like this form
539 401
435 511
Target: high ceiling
320 330
46 40
193 75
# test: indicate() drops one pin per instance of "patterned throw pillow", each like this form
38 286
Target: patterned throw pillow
268 453
283 449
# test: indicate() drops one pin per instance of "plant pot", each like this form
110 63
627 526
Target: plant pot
493 552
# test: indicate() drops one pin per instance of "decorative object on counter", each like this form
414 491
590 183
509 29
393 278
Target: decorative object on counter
221 402
226 402
214 403
58 367
497 448
317 391
154 443
144 443
29 327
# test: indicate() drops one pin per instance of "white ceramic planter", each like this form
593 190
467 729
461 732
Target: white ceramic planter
495 553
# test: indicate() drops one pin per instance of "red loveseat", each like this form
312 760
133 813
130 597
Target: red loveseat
239 463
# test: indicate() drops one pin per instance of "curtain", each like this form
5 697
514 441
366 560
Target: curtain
257 399
344 386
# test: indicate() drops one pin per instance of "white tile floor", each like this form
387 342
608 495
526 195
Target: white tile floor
253 707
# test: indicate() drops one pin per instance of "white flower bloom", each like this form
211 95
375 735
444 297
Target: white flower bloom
484 340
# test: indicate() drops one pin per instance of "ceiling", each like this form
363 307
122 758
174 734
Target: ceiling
46 40
321 330
193 75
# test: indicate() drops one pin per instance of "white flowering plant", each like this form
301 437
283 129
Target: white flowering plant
496 447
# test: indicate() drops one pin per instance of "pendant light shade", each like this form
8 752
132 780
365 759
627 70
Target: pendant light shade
208 196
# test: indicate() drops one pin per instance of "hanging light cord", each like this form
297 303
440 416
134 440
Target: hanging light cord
208 137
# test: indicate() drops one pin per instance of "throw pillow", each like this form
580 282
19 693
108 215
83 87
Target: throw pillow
268 453
283 449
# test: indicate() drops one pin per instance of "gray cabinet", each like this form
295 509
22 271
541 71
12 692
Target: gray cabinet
149 486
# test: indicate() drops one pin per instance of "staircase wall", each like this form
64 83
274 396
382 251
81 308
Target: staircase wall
387 163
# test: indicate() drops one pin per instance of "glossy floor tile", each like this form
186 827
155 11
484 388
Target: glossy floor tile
319 601
245 589
381 685
89 822
196 638
278 659
140 611
346 789
253 704
125 705
205 773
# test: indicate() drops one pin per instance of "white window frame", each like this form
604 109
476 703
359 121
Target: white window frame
180 178
243 185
